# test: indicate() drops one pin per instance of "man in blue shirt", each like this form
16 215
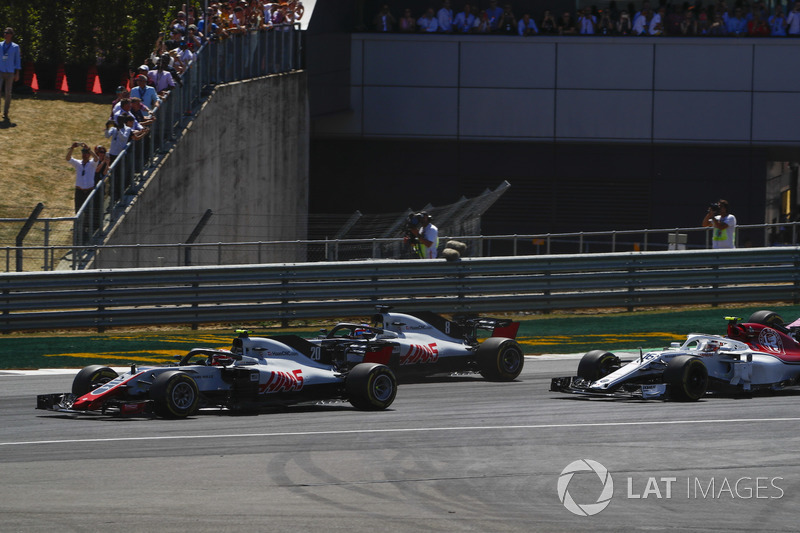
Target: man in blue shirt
10 65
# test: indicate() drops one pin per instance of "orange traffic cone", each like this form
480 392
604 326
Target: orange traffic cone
34 83
93 81
61 80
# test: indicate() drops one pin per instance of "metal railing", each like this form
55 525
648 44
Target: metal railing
219 253
251 295
239 57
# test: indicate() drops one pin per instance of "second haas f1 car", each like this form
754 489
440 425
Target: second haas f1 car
424 343
760 354
257 372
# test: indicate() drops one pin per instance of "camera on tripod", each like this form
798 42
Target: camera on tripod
414 221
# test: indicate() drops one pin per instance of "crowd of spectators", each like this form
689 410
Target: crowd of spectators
132 111
737 19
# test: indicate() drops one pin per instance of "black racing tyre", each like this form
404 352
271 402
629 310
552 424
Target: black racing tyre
91 377
597 364
500 359
371 386
767 318
687 378
175 395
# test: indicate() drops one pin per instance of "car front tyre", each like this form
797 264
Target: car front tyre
687 378
175 395
90 378
597 364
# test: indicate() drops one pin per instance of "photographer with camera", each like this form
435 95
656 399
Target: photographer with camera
422 235
724 224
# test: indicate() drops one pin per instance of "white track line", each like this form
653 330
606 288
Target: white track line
401 430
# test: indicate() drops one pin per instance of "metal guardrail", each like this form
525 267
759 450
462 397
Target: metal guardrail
253 294
174 254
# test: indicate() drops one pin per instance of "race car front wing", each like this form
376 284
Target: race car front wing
580 386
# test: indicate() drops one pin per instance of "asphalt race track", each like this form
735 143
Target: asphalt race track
458 454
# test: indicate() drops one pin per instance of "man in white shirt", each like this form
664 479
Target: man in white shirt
724 224
445 18
428 236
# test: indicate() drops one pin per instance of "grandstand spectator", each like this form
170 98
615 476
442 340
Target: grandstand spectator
717 27
736 26
407 23
793 21
605 26
193 38
464 21
645 7
179 23
777 23
586 22
120 94
208 19
688 24
757 27
482 24
641 23
548 25
428 23
141 112
444 18
161 78
384 21
174 41
508 22
565 24
624 24
526 26
183 57
703 23
656 26
494 13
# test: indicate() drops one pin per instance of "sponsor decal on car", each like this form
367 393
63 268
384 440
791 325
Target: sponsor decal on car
282 382
770 340
420 353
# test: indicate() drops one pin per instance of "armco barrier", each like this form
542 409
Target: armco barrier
255 293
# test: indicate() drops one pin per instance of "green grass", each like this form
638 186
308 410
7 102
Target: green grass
545 334
33 146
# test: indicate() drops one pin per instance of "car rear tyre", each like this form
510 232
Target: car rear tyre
500 359
175 395
91 377
597 364
371 386
687 378
767 318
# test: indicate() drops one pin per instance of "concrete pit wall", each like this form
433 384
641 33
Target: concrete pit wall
245 157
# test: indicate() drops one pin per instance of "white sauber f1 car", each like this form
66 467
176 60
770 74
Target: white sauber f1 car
257 372
760 354
424 343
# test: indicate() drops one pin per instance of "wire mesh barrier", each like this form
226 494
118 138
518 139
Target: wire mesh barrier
253 294
72 239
